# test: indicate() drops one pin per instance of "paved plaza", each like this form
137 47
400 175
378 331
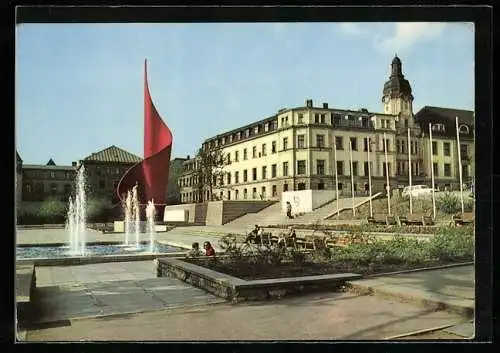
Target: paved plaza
125 301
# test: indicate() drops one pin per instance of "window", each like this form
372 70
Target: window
236 156
273 147
301 141
273 191
339 186
435 168
434 148
264 172
236 194
464 129
254 193
228 178
385 170
254 173
52 175
354 143
446 148
465 171
285 143
285 187
385 143
229 194
245 176
264 152
301 167
236 177
67 189
322 118
273 171
320 141
463 151
365 144
447 170
355 168
263 193
301 186
316 118
340 168
366 171
335 119
403 146
339 142
228 158
53 189
355 187
245 194
321 186
245 157
285 168
300 118
102 184
320 167
254 152
221 196
399 168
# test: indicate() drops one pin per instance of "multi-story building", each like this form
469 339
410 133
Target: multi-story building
294 149
104 170
40 182
445 154
173 189
19 178
190 189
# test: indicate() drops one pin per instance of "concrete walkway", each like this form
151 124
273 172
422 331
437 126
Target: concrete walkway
452 288
76 292
330 316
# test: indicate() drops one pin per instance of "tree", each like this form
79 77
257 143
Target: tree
210 170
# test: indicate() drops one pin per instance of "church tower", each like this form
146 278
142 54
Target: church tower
397 97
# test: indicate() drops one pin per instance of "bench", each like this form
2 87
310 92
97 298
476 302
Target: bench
382 219
416 219
463 219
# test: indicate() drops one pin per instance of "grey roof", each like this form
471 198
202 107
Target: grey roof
113 154
51 162
49 167
440 113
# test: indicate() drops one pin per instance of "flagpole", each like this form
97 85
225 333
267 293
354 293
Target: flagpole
459 166
370 177
409 171
432 173
388 189
352 178
336 177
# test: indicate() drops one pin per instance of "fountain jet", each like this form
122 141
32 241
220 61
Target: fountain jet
150 215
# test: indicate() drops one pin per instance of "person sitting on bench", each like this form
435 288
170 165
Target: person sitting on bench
255 235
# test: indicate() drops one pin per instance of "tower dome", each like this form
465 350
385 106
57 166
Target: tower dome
397 85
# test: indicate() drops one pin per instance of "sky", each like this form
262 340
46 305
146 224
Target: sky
79 87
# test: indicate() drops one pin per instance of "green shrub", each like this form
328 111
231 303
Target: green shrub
448 203
51 211
97 209
452 244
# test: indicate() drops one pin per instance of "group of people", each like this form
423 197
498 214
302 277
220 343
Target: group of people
195 250
285 239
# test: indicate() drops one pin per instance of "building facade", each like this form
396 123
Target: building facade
301 148
40 182
104 170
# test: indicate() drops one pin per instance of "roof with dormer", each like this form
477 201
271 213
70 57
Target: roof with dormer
397 85
447 117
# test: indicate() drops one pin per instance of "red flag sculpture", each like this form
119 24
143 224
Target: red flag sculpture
151 174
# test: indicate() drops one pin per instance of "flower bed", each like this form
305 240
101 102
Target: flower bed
366 256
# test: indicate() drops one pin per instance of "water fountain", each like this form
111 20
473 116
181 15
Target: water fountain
77 216
137 216
128 217
150 215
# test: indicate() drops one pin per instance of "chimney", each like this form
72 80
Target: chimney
188 157
309 103
325 105
73 164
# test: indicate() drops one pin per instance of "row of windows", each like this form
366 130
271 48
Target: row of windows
342 168
447 149
402 146
43 174
439 127
109 171
39 188
447 170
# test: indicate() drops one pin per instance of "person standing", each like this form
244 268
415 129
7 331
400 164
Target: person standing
289 210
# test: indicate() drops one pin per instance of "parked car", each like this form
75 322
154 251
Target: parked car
417 191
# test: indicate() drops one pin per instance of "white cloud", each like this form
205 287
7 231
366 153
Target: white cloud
408 34
352 28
